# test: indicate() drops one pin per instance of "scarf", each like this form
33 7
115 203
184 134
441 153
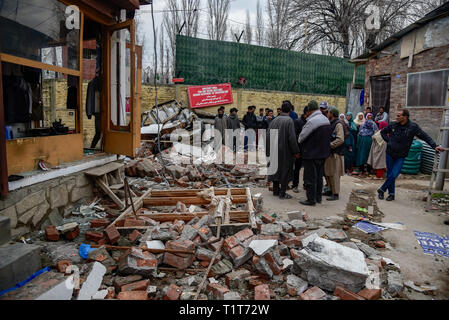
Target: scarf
351 124
368 128
357 121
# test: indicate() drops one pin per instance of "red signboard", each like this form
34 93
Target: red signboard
210 95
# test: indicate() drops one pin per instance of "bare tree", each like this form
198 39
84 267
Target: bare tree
162 61
278 33
259 25
218 12
182 17
248 34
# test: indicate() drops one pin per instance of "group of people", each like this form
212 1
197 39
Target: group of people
327 144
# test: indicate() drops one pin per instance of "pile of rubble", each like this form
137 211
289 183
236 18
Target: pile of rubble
138 258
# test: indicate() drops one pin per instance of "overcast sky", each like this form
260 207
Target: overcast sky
237 18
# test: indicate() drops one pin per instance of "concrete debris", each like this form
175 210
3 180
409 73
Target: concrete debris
394 283
93 282
261 246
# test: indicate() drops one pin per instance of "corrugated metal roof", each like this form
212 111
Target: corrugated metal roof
439 12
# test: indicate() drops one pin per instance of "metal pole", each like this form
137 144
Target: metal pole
439 185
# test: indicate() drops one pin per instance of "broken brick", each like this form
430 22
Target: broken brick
130 222
111 293
119 282
112 234
71 235
62 265
133 236
294 242
235 278
133 295
380 244
99 223
243 235
313 293
229 243
93 236
370 294
262 292
51 233
183 245
266 218
217 290
178 261
240 255
136 286
173 293
345 294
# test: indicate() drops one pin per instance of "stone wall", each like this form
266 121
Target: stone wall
433 59
43 204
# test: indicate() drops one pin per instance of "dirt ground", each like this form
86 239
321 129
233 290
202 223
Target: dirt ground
408 208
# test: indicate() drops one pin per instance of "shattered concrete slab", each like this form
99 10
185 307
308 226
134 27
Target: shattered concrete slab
327 264
93 282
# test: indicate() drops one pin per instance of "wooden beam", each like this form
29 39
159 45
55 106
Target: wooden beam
144 249
3 164
109 192
79 111
95 10
172 201
194 192
126 4
163 217
250 208
128 211
38 65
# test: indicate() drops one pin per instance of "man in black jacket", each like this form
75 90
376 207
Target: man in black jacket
299 124
250 122
315 140
399 137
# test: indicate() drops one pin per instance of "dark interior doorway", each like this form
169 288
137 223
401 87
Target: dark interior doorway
380 93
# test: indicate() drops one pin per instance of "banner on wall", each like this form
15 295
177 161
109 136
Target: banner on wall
210 95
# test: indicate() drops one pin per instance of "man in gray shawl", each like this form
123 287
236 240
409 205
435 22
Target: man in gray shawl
286 148
221 123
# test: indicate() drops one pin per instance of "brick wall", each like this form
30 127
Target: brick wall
433 59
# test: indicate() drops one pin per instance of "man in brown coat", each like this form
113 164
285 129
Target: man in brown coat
334 167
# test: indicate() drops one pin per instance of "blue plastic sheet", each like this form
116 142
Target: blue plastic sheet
432 243
368 227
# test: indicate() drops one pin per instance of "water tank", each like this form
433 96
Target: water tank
412 162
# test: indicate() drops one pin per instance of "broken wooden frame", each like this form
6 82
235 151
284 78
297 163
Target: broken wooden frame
234 220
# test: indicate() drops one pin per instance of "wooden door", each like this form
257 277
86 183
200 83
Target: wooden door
122 112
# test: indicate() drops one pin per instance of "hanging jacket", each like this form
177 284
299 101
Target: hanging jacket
92 103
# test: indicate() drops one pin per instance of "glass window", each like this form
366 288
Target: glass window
427 89
36 30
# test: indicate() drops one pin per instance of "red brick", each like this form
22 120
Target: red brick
197 240
217 290
370 294
119 282
380 244
99 223
133 295
229 243
184 245
294 253
277 269
236 252
51 233
111 293
130 222
313 293
93 236
253 281
243 235
71 235
102 241
345 294
133 236
262 292
266 218
173 293
136 286
177 261
62 265
112 234
204 264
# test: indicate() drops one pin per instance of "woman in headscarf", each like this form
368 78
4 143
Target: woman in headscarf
364 141
377 156
350 143
359 120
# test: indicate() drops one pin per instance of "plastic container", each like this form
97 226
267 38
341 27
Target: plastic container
412 162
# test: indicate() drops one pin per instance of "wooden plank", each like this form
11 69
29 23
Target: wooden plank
172 201
129 211
3 161
36 64
95 9
250 208
163 217
109 192
99 171
22 154
194 192
144 249
227 217
79 110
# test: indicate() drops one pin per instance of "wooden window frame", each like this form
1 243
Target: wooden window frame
421 72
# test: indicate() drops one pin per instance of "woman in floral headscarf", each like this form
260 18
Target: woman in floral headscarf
350 143
364 141
377 158
359 120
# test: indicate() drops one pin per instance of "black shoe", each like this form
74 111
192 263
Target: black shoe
390 197
307 203
334 197
446 222
285 197
327 193
318 201
380 194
